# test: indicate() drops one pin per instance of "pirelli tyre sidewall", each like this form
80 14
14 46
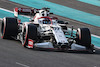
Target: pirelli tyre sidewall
9 27
83 37
29 32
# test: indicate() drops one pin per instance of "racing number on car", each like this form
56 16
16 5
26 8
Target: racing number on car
56 28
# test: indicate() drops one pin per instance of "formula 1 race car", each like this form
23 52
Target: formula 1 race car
43 31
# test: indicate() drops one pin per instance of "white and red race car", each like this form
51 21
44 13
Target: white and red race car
43 31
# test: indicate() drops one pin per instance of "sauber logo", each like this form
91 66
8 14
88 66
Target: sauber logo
24 10
30 43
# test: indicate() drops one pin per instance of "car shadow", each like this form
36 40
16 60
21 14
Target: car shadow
60 51
97 52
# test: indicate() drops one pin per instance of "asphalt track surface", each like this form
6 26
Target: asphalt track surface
12 54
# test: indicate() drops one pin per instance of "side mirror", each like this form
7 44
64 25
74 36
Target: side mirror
63 22
66 22
51 13
31 20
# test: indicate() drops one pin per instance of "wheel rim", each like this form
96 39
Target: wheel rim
24 37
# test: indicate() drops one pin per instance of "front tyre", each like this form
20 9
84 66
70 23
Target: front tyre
83 37
29 32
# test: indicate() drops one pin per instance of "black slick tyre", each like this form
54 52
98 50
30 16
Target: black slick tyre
83 37
9 28
29 32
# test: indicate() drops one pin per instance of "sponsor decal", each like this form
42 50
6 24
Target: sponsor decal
24 10
30 43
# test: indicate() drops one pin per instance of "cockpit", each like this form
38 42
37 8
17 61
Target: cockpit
47 20
44 20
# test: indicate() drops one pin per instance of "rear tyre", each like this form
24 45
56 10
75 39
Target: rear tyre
83 37
29 32
9 28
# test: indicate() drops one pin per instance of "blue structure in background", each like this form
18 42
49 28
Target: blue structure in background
8 14
93 2
63 11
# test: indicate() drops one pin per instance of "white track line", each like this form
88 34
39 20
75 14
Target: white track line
96 47
95 36
6 10
0 19
12 12
29 17
91 34
22 64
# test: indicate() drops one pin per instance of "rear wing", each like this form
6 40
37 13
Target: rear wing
24 11
28 11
